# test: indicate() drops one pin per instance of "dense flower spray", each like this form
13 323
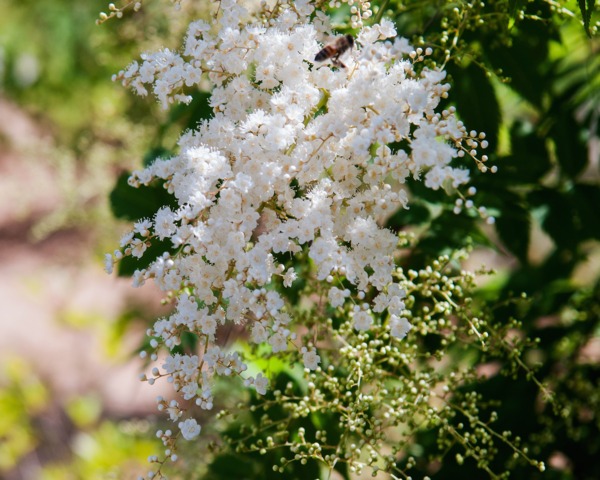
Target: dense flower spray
301 160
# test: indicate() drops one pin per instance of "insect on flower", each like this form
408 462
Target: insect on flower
335 50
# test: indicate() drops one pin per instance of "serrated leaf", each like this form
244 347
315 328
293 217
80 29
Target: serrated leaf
586 7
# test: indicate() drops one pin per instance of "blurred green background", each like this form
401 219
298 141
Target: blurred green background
71 408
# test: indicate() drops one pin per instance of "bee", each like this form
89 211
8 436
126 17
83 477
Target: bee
335 50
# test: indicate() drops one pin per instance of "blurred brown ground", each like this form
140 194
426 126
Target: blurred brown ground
45 283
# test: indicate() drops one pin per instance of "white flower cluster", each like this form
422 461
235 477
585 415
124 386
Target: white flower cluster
298 157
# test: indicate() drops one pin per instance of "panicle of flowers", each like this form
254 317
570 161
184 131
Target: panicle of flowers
299 158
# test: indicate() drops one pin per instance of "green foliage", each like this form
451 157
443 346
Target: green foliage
136 203
56 65
110 450
587 9
22 397
99 448
70 88
544 177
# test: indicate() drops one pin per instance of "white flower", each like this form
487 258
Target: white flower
164 222
189 390
205 400
386 29
311 359
108 263
189 365
126 239
278 342
261 384
172 363
212 356
174 411
138 247
399 327
189 429
274 302
142 227
208 325
289 277
336 296
392 300
259 333
362 320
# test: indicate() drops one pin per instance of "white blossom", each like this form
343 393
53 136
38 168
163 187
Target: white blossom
278 342
261 383
189 429
266 178
310 358
362 320
399 327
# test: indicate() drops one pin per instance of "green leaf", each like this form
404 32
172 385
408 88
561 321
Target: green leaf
232 466
476 100
128 265
513 7
525 59
513 227
188 345
420 193
198 109
416 214
185 116
558 220
529 160
154 153
133 204
571 150
586 203
587 8
446 232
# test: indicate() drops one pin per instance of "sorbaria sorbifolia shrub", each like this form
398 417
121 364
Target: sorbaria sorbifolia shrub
275 228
